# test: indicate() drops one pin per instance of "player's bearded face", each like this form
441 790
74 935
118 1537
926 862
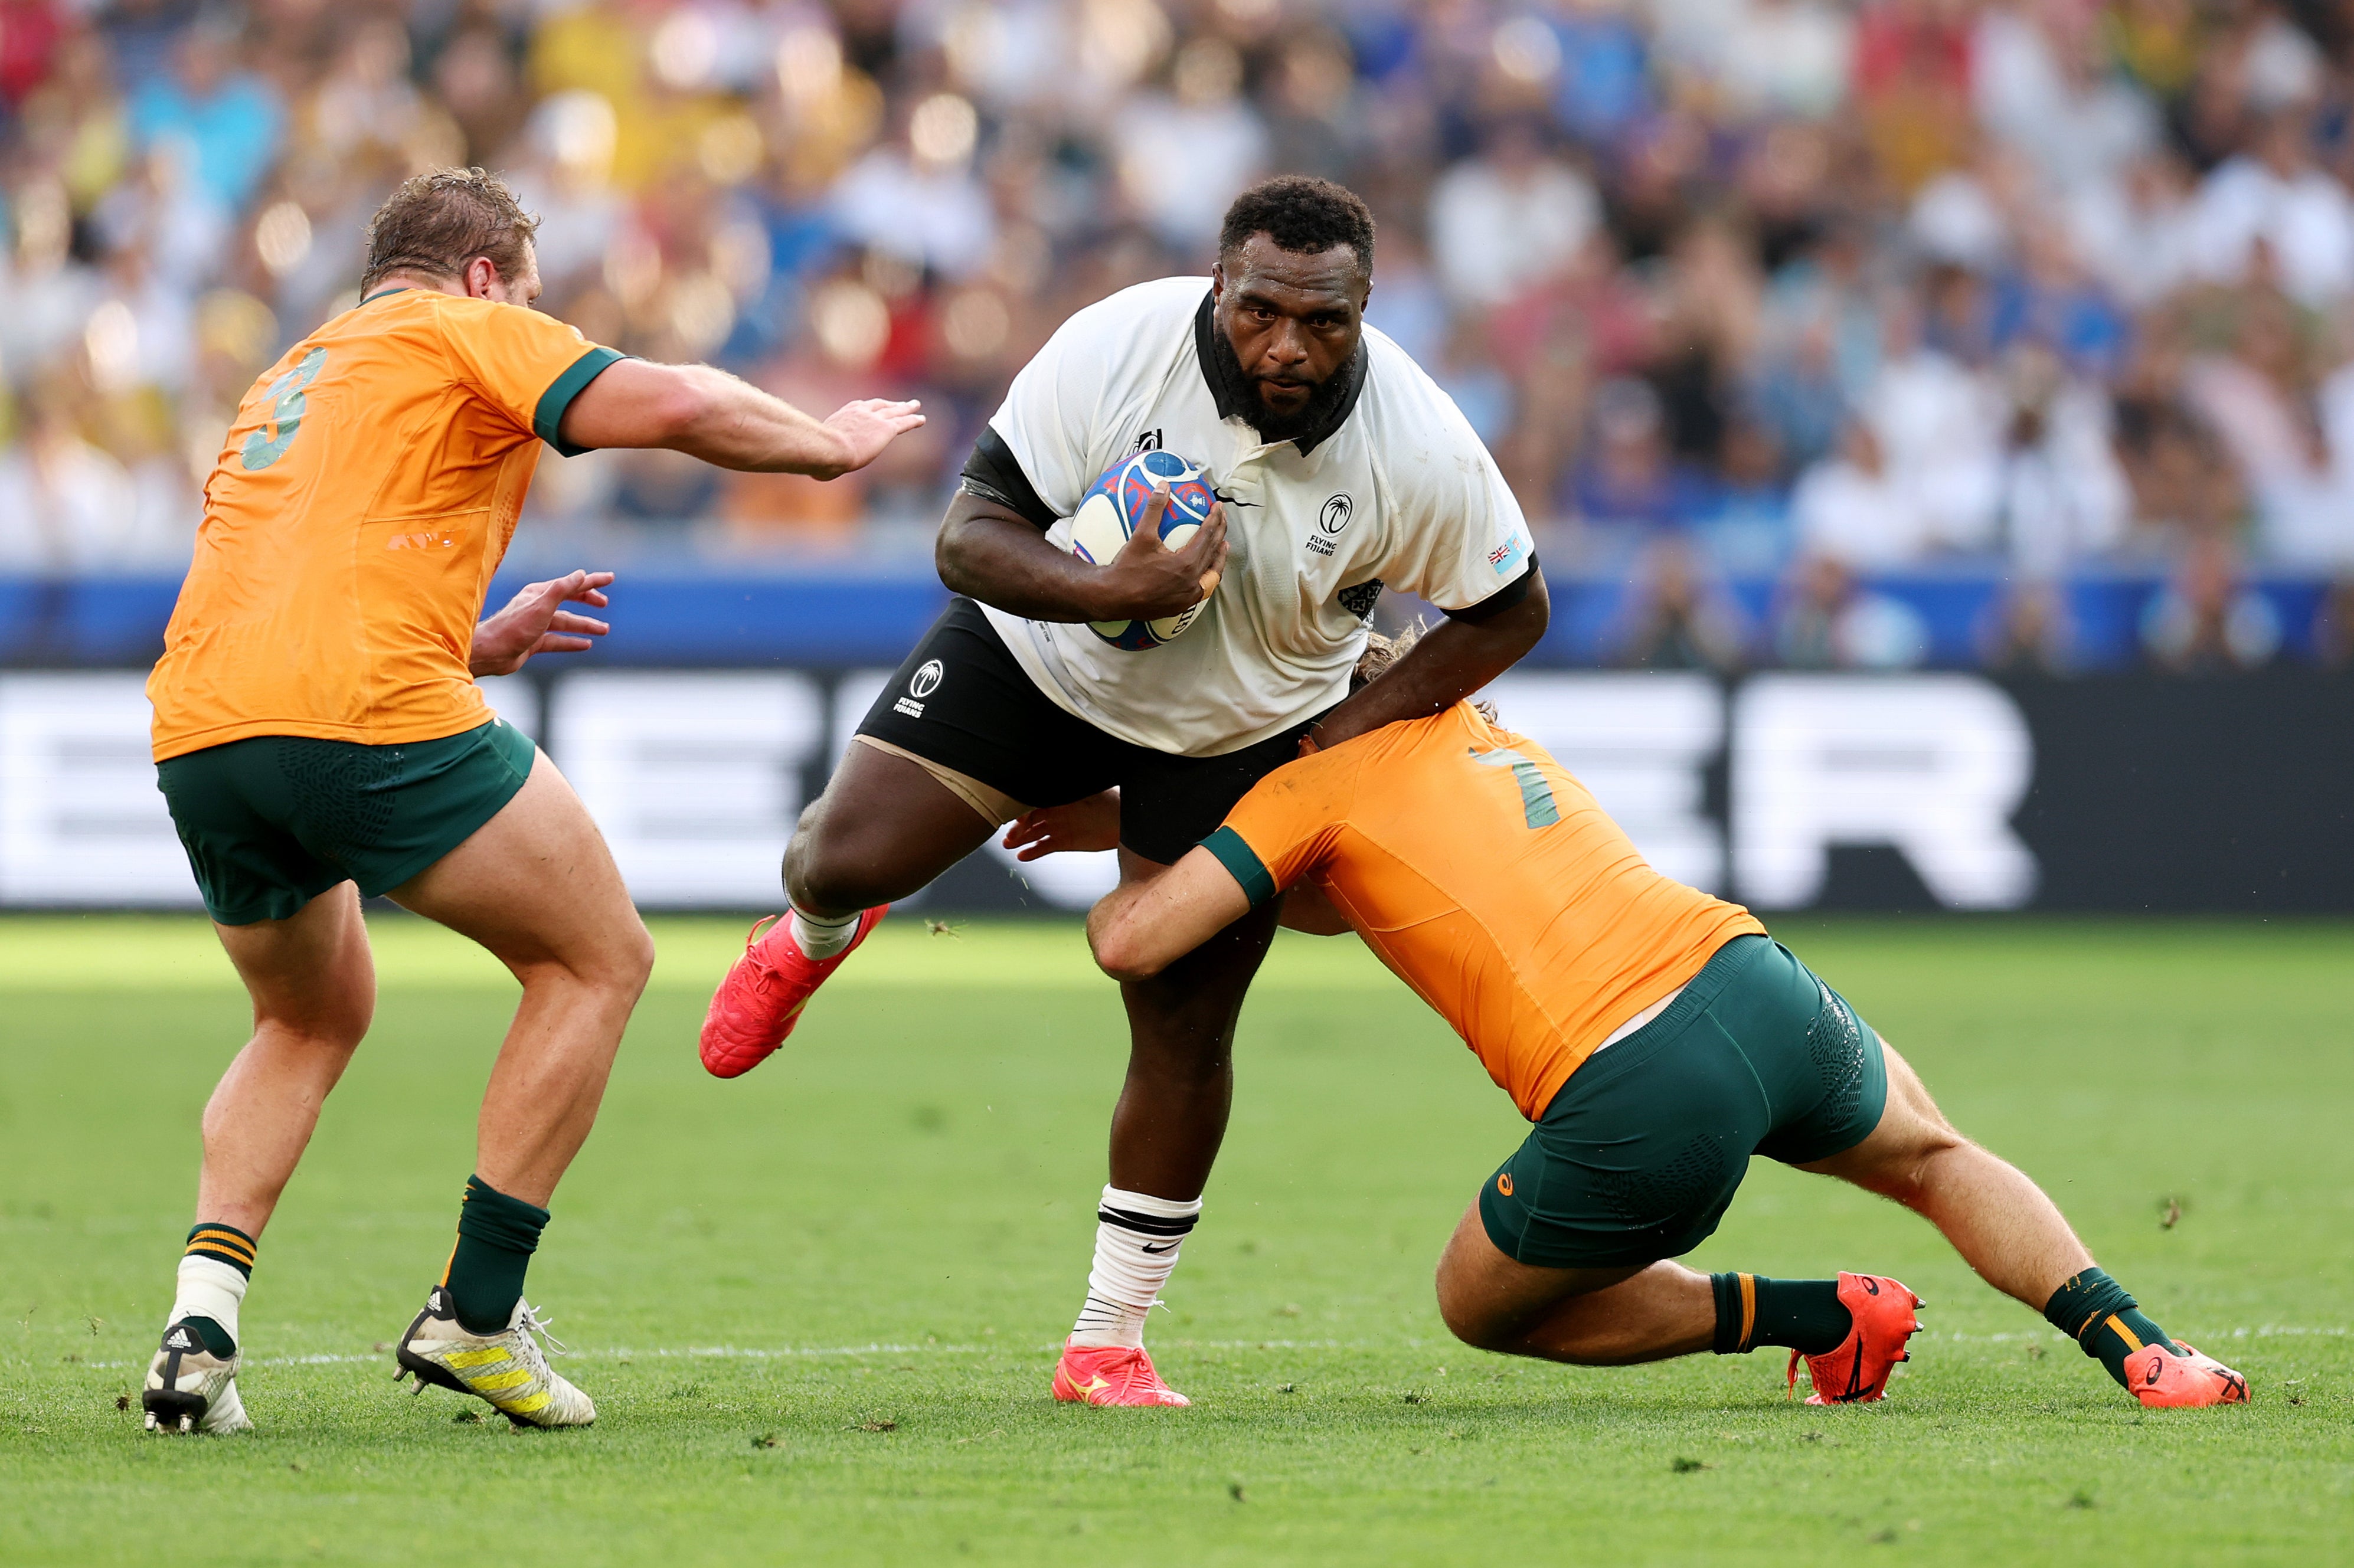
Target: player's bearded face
1278 412
1288 325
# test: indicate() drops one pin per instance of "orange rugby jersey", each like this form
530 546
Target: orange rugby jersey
367 492
1489 880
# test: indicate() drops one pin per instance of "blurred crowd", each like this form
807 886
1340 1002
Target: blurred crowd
1795 290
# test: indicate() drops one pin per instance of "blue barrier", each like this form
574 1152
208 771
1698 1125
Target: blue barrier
850 617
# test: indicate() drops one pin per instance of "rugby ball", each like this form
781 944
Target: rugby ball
1114 509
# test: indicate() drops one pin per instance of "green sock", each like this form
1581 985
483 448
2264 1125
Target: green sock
1805 1315
497 1236
2107 1323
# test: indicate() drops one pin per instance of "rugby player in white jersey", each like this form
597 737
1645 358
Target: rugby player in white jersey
1341 468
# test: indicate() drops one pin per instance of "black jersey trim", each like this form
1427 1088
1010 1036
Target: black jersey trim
993 474
1502 600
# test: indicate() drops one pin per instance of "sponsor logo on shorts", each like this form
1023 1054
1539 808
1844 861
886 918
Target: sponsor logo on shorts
922 683
1504 1183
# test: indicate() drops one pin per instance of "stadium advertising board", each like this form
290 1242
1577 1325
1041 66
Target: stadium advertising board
1787 791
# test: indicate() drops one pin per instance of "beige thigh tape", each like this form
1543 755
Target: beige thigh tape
996 808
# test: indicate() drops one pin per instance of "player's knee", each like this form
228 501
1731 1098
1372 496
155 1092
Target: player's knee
1468 1315
632 963
1909 1169
826 873
1479 1330
331 1025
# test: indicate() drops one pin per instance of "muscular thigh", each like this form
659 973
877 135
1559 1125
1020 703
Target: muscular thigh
312 971
535 884
884 828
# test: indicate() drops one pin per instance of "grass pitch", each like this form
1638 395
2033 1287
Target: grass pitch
816 1306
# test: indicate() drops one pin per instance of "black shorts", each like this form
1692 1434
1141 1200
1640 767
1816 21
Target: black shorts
980 715
1640 1151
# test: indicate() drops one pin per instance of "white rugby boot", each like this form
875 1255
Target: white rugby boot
508 1368
189 1389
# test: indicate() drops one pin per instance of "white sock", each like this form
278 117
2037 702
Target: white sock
1136 1238
821 937
209 1288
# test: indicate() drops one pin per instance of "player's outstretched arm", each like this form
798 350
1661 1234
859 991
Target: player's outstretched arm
1448 663
990 553
709 414
1143 925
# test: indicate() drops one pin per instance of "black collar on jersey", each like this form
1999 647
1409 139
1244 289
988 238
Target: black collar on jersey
1222 371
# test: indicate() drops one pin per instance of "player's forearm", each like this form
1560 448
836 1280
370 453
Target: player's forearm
1146 924
707 414
732 424
1452 660
1004 562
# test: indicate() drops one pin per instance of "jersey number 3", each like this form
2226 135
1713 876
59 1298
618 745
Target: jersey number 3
286 401
1536 795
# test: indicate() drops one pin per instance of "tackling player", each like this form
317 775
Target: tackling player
319 737
1341 468
1657 1037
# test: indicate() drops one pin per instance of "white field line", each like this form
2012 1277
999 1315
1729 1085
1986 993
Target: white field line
798 1352
818 1352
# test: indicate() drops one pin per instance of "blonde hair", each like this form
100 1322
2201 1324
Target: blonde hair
1380 653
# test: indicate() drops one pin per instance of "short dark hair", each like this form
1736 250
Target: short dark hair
437 223
1302 215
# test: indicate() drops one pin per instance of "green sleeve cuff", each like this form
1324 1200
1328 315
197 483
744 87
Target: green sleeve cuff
548 417
1244 863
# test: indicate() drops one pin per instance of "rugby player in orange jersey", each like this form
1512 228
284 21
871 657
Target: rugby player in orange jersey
1655 1035
319 737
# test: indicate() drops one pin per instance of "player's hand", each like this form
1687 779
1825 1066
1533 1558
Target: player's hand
1083 825
862 429
536 621
1151 580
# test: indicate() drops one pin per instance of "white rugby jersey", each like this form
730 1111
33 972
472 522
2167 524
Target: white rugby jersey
1400 493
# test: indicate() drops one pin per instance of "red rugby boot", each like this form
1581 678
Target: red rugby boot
1113 1375
2189 1379
1857 1369
762 997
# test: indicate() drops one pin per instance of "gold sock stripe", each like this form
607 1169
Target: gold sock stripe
225 1242
1748 1307
2133 1341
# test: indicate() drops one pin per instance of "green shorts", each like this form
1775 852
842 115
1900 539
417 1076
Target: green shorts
1641 1150
272 822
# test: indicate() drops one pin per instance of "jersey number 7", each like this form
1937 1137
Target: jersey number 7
1536 795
